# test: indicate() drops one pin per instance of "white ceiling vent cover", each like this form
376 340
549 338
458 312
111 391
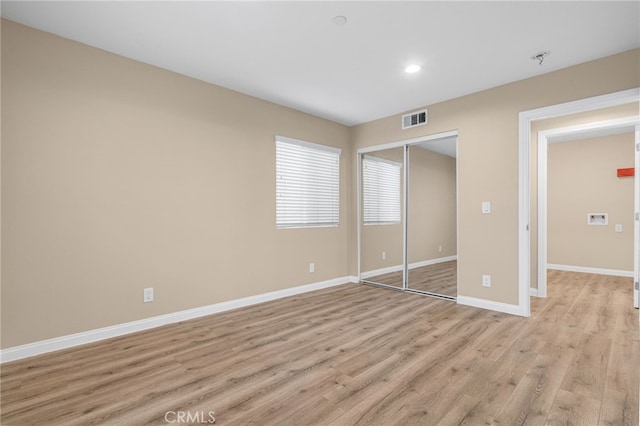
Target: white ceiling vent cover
414 119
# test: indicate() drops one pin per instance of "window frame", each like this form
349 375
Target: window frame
306 198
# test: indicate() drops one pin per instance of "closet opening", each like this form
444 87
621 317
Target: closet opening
407 215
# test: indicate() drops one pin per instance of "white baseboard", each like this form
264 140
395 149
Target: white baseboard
491 305
64 342
533 292
381 271
432 261
588 270
396 268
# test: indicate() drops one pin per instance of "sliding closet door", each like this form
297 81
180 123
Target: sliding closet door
381 217
432 218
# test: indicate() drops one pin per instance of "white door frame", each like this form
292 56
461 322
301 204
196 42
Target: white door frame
544 137
636 222
524 178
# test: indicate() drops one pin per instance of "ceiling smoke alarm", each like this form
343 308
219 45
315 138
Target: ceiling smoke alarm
340 20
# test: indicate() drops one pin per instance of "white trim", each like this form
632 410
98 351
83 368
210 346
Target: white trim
524 210
397 144
589 270
543 156
397 268
557 135
433 261
359 158
381 271
71 340
405 225
524 174
534 292
489 304
636 221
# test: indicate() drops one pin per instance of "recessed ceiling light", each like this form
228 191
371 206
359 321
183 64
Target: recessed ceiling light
339 20
412 69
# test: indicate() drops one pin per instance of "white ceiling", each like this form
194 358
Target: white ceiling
292 53
446 146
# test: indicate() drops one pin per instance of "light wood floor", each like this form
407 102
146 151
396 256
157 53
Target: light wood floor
355 354
441 278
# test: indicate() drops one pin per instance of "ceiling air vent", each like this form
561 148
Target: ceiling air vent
414 119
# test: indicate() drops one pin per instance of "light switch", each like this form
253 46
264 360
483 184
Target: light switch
486 207
618 227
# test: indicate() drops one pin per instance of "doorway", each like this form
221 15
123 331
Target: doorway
607 128
526 118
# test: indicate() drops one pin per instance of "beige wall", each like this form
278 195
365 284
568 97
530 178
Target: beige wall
582 179
377 239
487 124
118 176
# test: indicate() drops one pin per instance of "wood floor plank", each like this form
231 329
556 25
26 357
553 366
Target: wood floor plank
626 319
621 388
619 409
577 316
587 374
573 410
497 381
417 379
534 395
354 354
440 278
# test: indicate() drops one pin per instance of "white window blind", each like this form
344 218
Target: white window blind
380 191
307 184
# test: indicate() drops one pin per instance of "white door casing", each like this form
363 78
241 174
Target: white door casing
636 222
524 174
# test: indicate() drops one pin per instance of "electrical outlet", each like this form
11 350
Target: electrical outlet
384 255
147 295
440 248
486 280
312 267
